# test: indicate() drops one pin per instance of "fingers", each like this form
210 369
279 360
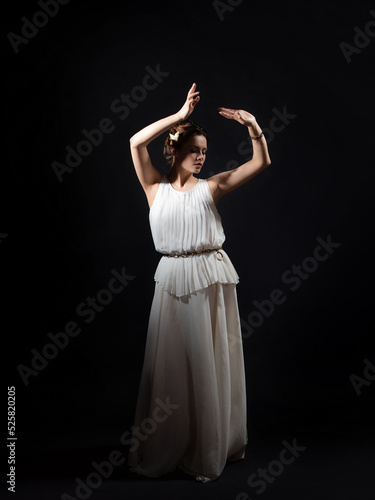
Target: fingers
193 99
192 89
239 115
227 113
193 103
224 113
227 110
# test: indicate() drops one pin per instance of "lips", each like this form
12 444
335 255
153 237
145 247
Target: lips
198 164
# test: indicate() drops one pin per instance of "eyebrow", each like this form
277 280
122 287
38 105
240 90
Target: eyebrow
195 146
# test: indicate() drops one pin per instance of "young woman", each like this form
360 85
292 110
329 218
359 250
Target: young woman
191 406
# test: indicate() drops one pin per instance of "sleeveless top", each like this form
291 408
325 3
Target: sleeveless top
188 221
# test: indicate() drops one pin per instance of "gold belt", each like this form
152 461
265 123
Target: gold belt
220 255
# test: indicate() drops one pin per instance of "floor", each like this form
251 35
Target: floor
325 463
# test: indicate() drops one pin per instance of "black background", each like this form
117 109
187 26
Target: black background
61 240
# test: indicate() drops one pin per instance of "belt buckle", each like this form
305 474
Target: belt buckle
221 255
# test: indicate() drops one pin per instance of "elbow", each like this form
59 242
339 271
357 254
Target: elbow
133 142
265 165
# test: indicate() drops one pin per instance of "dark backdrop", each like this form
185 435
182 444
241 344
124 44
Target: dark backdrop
63 238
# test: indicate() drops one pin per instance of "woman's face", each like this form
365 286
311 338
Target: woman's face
192 155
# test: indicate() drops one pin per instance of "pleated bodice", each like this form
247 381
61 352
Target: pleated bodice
188 221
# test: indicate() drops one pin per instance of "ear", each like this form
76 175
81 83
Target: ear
173 151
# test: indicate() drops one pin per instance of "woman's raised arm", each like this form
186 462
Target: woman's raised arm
146 172
227 181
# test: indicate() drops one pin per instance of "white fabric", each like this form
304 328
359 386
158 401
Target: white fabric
188 221
193 355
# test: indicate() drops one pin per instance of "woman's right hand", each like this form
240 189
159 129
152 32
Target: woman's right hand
190 103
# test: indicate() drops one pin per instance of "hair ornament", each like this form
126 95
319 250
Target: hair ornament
175 136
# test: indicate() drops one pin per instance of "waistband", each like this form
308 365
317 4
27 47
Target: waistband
219 255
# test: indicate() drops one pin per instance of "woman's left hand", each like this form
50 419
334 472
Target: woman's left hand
241 116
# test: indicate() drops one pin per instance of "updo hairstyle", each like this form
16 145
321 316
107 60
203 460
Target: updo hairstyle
186 129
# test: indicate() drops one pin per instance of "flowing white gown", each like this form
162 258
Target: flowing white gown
191 406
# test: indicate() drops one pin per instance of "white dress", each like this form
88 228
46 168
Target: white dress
191 406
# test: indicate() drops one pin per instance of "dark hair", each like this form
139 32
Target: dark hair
186 129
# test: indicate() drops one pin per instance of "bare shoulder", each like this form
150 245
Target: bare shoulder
213 184
151 191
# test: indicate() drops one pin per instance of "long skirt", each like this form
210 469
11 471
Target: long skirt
191 406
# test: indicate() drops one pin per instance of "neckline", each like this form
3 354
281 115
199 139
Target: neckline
176 190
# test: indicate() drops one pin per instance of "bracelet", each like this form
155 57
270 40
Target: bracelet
257 138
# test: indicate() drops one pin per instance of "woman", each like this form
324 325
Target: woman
191 407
